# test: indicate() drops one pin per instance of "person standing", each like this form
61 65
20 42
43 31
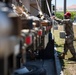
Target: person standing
68 27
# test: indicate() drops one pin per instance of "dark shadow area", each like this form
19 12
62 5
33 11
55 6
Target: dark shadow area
74 39
45 59
61 61
71 59
48 52
72 63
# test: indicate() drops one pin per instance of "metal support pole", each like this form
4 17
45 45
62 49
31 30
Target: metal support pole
64 6
55 7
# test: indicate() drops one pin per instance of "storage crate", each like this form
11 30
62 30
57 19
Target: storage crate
62 34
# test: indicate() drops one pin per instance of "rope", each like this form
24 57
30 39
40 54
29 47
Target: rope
40 11
38 5
34 7
48 8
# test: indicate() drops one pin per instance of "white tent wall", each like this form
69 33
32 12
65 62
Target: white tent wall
27 4
31 6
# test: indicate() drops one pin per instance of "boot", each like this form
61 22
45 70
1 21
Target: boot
72 58
62 56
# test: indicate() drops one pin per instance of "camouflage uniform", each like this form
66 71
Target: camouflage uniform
68 27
